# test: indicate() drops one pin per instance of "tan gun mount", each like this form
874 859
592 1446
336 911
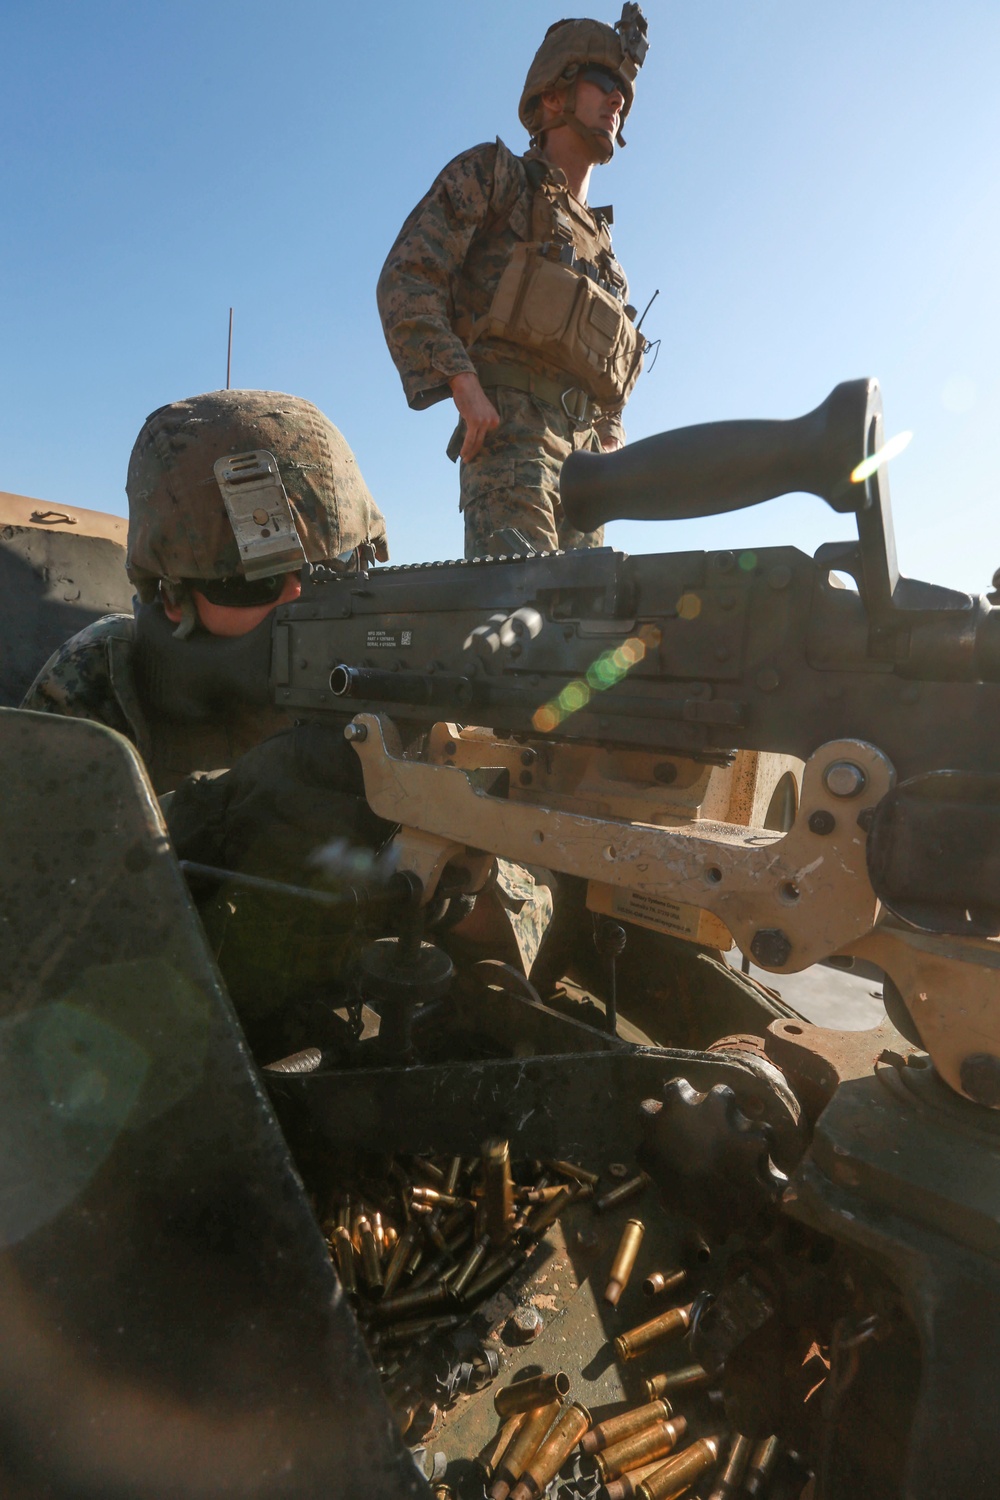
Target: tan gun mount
788 899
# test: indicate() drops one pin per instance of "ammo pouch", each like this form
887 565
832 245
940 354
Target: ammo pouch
570 320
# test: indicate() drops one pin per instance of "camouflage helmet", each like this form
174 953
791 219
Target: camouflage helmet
572 45
181 525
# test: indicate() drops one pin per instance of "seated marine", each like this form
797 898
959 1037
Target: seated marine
232 496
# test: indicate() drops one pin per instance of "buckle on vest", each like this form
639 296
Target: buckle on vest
577 406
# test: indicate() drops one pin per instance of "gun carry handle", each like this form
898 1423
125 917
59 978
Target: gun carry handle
722 466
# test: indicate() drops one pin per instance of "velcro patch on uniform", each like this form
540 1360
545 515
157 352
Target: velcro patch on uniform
605 317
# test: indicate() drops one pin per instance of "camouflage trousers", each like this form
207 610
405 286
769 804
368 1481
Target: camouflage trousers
514 479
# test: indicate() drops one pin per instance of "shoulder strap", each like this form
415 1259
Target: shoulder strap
119 640
510 203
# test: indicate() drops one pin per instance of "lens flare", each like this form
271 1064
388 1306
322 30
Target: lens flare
891 449
689 606
609 668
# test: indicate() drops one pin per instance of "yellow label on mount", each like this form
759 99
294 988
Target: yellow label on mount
659 914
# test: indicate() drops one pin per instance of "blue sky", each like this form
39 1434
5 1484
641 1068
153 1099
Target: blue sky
813 187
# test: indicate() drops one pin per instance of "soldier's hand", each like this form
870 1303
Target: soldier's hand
476 410
611 444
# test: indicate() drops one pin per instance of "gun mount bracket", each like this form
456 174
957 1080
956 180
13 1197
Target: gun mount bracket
812 888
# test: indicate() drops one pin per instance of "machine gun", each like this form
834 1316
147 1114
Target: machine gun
616 687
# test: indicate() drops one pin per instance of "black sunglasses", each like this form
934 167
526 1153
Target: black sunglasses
241 593
604 78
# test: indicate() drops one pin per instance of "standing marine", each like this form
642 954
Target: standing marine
502 290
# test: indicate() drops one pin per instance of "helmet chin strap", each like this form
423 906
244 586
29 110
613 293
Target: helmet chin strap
600 143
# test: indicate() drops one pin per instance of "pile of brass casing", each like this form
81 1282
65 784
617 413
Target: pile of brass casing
418 1254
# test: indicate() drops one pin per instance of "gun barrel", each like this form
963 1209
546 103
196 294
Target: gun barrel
722 466
448 689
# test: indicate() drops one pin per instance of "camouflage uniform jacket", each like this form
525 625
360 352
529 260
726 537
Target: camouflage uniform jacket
90 677
443 270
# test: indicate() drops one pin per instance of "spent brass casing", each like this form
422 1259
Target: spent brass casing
523 1449
405 1304
686 1379
435 1197
417 1328
663 1281
344 1251
429 1170
727 1486
371 1263
625 1257
622 1193
570 1169
344 1213
489 1457
569 1427
538 1195
527 1395
453 1174
652 1442
625 1487
762 1461
669 1324
546 1216
680 1471
400 1255
440 1264
612 1431
498 1190
493 1274
469 1267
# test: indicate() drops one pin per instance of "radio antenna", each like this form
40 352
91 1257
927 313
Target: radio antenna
229 353
637 326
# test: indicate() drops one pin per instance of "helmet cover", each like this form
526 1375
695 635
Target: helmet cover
179 526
